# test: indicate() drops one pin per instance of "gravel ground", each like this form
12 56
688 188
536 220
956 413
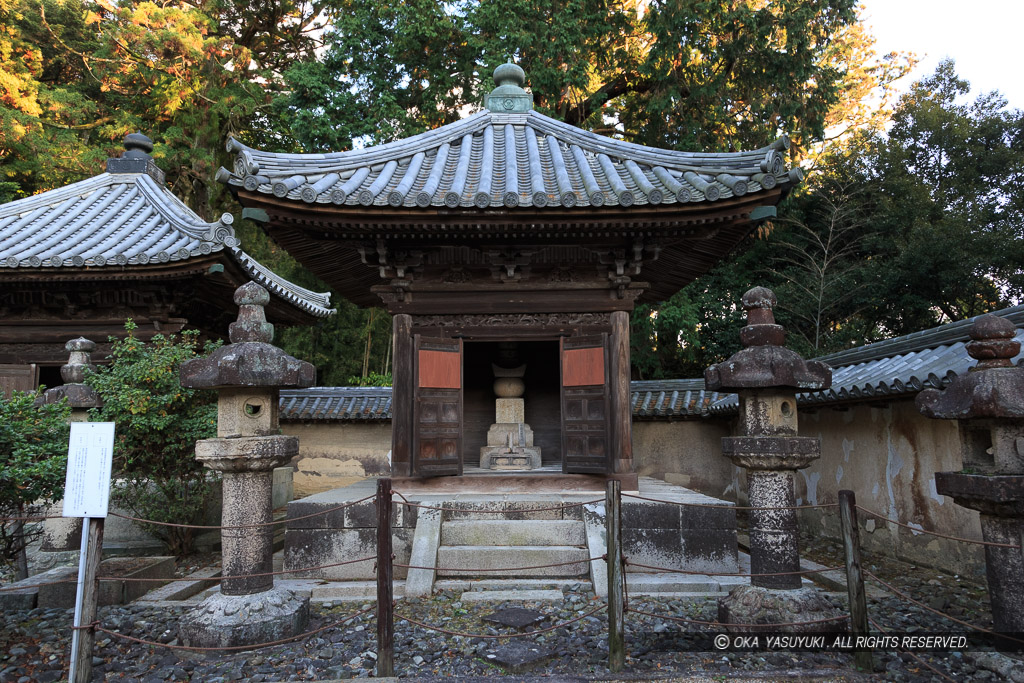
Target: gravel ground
34 643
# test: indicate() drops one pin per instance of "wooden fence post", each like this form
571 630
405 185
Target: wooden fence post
385 587
616 623
854 576
92 533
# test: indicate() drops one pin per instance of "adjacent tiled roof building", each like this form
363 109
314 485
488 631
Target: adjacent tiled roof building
126 218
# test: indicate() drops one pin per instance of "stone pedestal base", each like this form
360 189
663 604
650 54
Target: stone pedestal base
499 458
509 444
769 607
233 620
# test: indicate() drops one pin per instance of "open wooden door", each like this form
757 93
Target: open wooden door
437 407
18 378
586 447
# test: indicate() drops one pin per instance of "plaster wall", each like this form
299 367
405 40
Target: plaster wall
888 457
335 454
686 453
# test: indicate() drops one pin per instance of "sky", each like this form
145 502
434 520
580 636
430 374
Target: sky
983 36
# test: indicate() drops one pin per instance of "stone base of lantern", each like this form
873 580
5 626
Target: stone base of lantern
238 620
772 608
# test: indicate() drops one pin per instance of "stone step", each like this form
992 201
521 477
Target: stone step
513 532
554 583
352 591
671 583
513 596
505 558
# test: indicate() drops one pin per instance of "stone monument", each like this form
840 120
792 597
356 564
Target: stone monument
62 537
989 403
510 439
767 376
247 373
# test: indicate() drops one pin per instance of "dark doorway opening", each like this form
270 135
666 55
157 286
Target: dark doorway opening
542 406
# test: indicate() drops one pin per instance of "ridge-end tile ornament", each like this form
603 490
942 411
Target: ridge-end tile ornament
248 374
988 402
767 376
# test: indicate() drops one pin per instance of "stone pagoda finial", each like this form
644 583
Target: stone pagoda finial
80 396
994 388
509 97
252 325
765 363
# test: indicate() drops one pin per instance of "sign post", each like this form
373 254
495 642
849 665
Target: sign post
86 495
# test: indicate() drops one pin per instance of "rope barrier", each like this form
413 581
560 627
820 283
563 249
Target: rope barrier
683 571
41 518
282 641
912 654
241 526
406 501
936 533
499 637
503 569
730 507
240 576
903 595
720 624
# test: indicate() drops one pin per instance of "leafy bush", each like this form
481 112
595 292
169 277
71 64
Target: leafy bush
158 423
34 448
374 379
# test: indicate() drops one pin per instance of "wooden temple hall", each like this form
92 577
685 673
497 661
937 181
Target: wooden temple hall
509 248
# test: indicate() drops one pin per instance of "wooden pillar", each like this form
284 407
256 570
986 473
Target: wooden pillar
385 588
401 397
622 412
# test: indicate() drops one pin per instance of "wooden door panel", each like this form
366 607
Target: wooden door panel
437 407
584 391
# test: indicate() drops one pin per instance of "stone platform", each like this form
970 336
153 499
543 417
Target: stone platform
490 525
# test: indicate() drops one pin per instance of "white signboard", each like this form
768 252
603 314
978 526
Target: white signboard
90 453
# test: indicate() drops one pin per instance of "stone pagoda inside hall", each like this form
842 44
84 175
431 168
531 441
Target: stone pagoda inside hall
510 229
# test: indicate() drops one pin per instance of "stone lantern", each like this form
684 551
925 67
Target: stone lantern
247 373
767 377
988 402
62 537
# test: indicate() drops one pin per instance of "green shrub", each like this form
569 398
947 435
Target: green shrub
34 448
158 423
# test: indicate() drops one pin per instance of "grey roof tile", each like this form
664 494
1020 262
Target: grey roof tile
126 219
491 160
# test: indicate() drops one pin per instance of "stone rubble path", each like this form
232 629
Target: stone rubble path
34 643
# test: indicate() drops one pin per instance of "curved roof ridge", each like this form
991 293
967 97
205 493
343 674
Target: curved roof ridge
583 169
653 155
369 156
316 303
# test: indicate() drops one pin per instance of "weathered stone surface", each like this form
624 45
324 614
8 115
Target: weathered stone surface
510 410
247 364
989 494
247 453
318 547
112 591
765 362
78 395
235 620
517 656
456 560
426 539
753 608
516 617
513 532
